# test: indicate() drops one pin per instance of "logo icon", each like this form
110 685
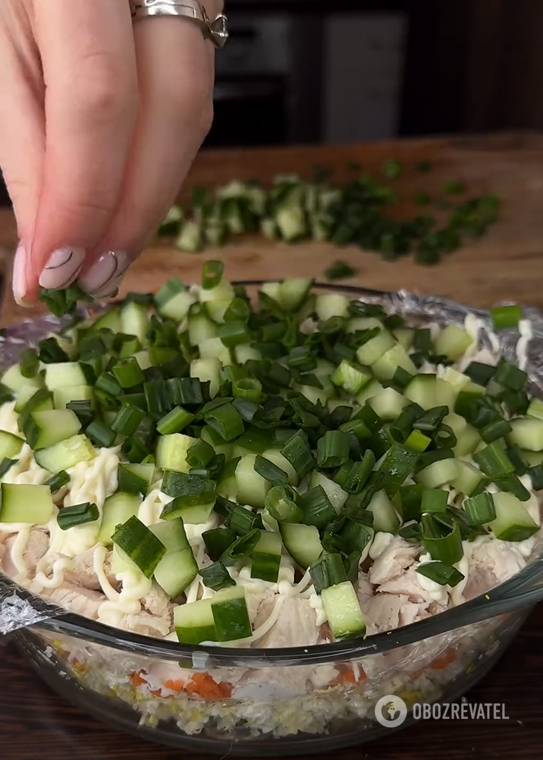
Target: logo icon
390 711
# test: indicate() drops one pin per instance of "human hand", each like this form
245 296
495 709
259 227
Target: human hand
100 121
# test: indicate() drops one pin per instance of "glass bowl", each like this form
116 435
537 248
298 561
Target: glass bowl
287 701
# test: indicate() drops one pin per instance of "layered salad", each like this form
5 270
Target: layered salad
193 467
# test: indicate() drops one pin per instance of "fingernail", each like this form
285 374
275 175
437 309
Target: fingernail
19 275
62 267
103 278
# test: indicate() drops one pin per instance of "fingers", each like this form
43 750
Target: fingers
175 74
22 124
88 57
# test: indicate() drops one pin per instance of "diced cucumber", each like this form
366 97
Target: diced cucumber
457 379
177 308
66 454
422 391
117 510
385 367
312 394
350 377
302 542
10 445
230 613
135 321
221 293
385 517
245 352
64 374
467 479
467 437
452 342
369 352
177 568
266 557
445 393
438 474
45 429
293 293
533 457
269 521
275 456
335 493
272 290
63 396
251 487
201 328
40 401
404 336
190 236
513 521
343 611
388 403
26 504
136 478
143 359
143 548
214 348
24 394
171 452
194 623
369 391
13 379
207 370
359 324
110 320
331 305
527 432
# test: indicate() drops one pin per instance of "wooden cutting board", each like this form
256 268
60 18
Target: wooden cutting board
506 264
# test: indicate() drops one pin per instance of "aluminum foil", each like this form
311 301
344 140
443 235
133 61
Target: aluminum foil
19 608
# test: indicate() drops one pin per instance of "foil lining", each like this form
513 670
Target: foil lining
19 608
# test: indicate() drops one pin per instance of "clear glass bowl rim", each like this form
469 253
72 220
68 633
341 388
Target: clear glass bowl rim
521 591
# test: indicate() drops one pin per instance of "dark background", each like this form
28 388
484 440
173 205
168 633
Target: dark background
306 71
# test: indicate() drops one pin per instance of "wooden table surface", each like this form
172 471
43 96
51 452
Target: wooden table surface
507 264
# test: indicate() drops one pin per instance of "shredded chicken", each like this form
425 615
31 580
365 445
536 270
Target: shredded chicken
77 599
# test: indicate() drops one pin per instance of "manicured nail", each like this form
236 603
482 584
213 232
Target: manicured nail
105 275
62 267
19 276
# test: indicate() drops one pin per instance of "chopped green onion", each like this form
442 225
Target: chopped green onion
282 502
441 573
270 471
517 459
181 484
108 384
29 363
493 461
242 520
242 547
128 373
127 420
369 417
101 434
216 576
512 484
168 291
359 473
58 481
247 409
495 430
226 420
536 476
218 540
212 274
80 514
82 410
401 428
480 373
411 501
504 317
249 388
434 500
510 377
298 453
317 508
200 453
445 548
174 421
417 441
339 270
239 309
134 450
333 449
480 509
327 571
233 333
432 419
401 378
6 465
397 465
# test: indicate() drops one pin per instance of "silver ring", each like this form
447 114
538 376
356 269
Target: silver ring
215 30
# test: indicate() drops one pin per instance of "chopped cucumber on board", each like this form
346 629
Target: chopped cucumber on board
277 445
